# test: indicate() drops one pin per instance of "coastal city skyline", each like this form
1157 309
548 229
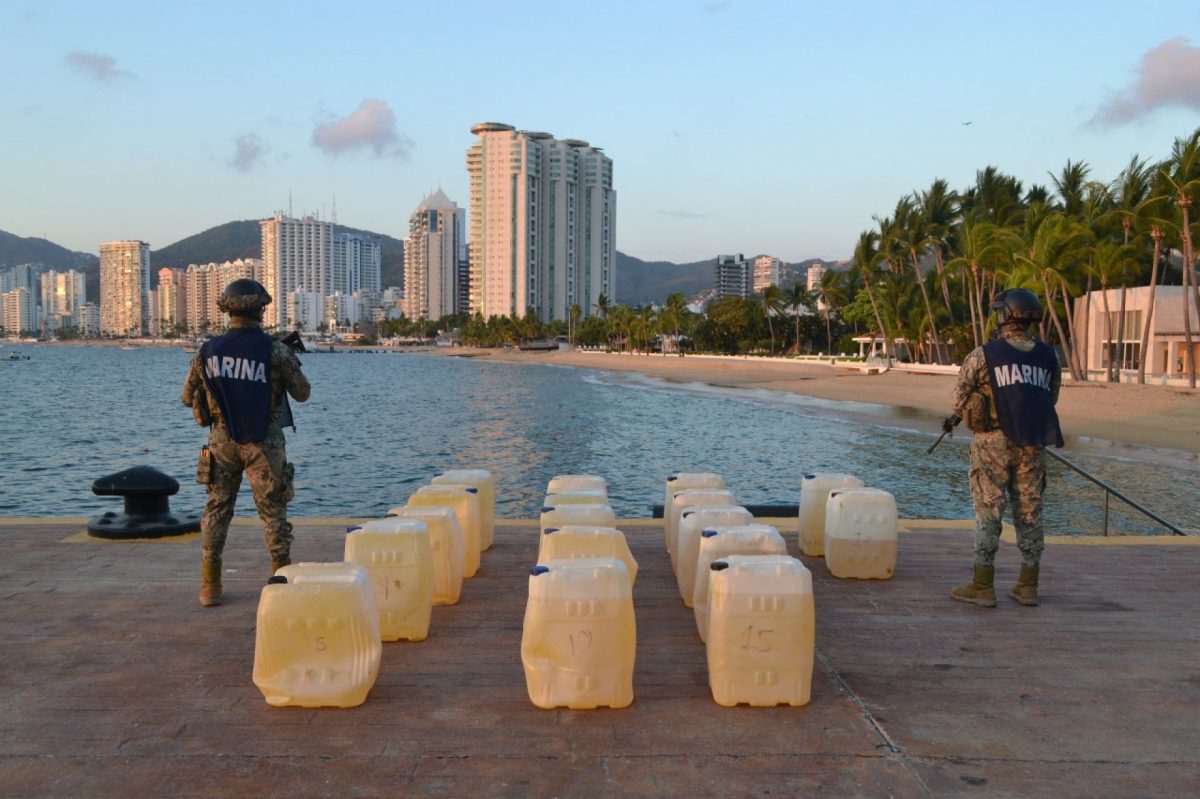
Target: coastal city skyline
735 126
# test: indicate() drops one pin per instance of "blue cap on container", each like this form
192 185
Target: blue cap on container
719 565
277 579
709 533
550 530
472 490
547 508
539 569
352 528
810 477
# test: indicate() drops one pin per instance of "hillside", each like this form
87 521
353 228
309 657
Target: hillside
640 282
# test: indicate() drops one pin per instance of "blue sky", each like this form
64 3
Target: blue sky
734 126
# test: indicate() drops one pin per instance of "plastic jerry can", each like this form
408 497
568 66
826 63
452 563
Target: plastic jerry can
814 493
761 630
721 542
399 562
692 522
578 496
579 635
860 533
682 482
585 515
577 541
571 482
446 544
317 637
485 484
686 499
464 500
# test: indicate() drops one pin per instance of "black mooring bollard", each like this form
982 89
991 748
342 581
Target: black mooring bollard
146 491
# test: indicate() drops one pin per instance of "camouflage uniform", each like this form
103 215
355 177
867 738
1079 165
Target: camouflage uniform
999 470
265 463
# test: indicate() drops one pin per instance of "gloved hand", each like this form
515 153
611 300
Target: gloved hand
950 422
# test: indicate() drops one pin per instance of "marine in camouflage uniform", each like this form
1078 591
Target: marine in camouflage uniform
264 462
1001 471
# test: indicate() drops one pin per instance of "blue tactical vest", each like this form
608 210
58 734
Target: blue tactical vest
237 373
1021 392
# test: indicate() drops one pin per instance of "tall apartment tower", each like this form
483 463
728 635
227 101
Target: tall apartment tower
542 223
63 293
431 259
171 300
297 255
356 264
17 311
734 276
766 272
124 287
815 273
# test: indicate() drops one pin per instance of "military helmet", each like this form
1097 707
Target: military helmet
244 296
1017 306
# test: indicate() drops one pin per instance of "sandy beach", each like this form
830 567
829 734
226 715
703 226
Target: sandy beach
1148 416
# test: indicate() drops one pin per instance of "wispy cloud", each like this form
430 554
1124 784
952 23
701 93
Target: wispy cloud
684 214
371 127
97 66
1169 75
247 150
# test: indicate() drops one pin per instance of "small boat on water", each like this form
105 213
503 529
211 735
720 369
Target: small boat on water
16 356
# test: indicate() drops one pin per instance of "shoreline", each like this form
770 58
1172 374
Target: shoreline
1094 415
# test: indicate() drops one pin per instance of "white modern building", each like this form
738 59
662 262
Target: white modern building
431 259
297 256
815 273
170 302
124 287
63 293
734 277
304 310
357 263
17 311
766 272
542 224
1120 337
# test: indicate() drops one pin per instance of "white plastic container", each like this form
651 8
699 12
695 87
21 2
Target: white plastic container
577 515
573 482
721 542
317 637
446 544
577 541
761 631
814 493
578 496
860 533
684 481
464 500
692 522
485 484
399 562
686 499
579 637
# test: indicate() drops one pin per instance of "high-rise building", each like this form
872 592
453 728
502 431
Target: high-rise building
170 305
17 311
124 287
542 223
297 255
203 286
356 263
815 273
63 292
89 319
305 310
766 272
431 259
734 276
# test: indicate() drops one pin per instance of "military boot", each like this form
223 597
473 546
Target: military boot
979 591
1025 591
210 588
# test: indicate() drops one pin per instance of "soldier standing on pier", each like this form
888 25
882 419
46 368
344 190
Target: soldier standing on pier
238 384
1006 393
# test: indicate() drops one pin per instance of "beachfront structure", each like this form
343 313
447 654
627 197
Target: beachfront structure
17 311
542 224
1120 337
124 287
766 272
815 273
431 259
734 276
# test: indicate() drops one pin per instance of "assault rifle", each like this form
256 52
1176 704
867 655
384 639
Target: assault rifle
948 425
294 342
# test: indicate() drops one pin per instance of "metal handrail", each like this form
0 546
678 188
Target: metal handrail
1114 492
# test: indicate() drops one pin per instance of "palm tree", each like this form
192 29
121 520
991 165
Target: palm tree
866 260
1112 262
573 316
672 316
796 299
985 249
772 301
1070 185
1182 173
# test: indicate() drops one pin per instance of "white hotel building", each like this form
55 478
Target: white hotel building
124 288
542 224
431 254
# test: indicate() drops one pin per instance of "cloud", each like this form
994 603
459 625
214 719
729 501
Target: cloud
247 150
1169 75
372 126
96 66
684 214
717 6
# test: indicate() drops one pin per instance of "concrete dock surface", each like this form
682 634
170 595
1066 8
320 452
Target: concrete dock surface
115 683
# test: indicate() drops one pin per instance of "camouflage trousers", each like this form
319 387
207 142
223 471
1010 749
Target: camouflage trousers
1001 472
270 476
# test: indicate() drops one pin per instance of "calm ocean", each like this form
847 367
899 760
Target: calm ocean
379 425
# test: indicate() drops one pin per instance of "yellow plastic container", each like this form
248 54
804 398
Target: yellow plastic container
399 562
721 542
572 482
686 499
860 534
577 515
464 500
693 521
485 484
761 631
578 496
573 541
684 481
317 637
579 636
446 543
814 493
